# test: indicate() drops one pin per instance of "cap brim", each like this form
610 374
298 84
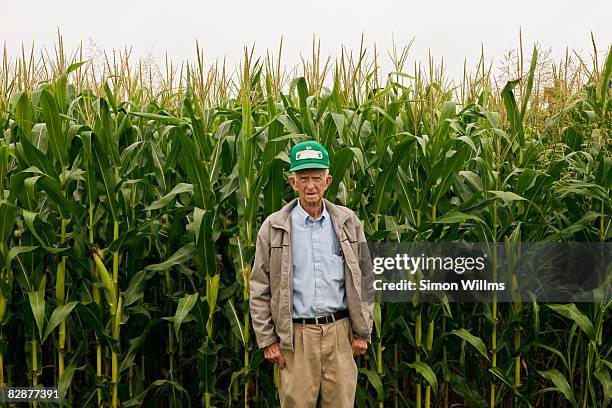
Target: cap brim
309 166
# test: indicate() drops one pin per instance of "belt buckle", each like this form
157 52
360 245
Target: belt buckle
325 319
321 320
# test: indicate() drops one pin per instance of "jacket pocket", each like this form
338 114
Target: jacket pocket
349 234
276 259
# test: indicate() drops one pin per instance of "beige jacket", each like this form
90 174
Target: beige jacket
271 282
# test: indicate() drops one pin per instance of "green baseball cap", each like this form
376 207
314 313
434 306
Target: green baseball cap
308 155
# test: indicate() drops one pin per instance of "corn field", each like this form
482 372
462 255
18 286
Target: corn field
132 199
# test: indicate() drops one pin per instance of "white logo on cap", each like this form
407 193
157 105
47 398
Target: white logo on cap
309 154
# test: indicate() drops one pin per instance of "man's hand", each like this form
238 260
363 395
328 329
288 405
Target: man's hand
273 353
359 346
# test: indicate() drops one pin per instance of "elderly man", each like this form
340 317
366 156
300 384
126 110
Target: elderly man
309 304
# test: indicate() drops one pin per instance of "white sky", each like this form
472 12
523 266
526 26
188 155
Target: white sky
452 29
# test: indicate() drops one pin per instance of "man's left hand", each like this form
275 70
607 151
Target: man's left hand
359 347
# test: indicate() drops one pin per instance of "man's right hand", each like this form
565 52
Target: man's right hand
273 353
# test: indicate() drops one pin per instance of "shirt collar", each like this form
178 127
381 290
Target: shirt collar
303 215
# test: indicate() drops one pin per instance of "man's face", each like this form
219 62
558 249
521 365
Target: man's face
310 184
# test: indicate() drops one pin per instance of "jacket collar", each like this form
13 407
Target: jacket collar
282 218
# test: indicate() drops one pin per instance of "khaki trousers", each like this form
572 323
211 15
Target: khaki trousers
321 371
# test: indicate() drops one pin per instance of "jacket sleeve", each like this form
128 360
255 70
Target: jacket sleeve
367 278
259 284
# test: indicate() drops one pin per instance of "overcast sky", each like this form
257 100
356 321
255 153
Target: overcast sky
453 29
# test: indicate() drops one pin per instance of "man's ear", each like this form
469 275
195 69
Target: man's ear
292 181
328 180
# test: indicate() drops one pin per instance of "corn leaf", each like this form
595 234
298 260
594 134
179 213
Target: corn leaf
37 304
185 305
475 341
561 384
59 315
570 311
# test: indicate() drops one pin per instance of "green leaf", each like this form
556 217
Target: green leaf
37 303
88 158
508 196
18 250
273 191
66 377
212 291
504 378
302 91
561 384
53 190
472 178
165 387
570 311
136 344
198 217
57 138
470 395
384 180
156 156
33 157
427 373
182 255
203 193
514 116
534 61
92 315
29 217
535 315
4 157
207 363
359 157
107 173
7 219
109 95
456 217
476 342
165 200
135 290
555 352
604 90
197 130
185 305
604 378
206 239
374 379
469 142
340 163
59 315
20 106
584 222
61 87
158 118
235 321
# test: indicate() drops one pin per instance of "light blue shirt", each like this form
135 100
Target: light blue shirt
318 266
